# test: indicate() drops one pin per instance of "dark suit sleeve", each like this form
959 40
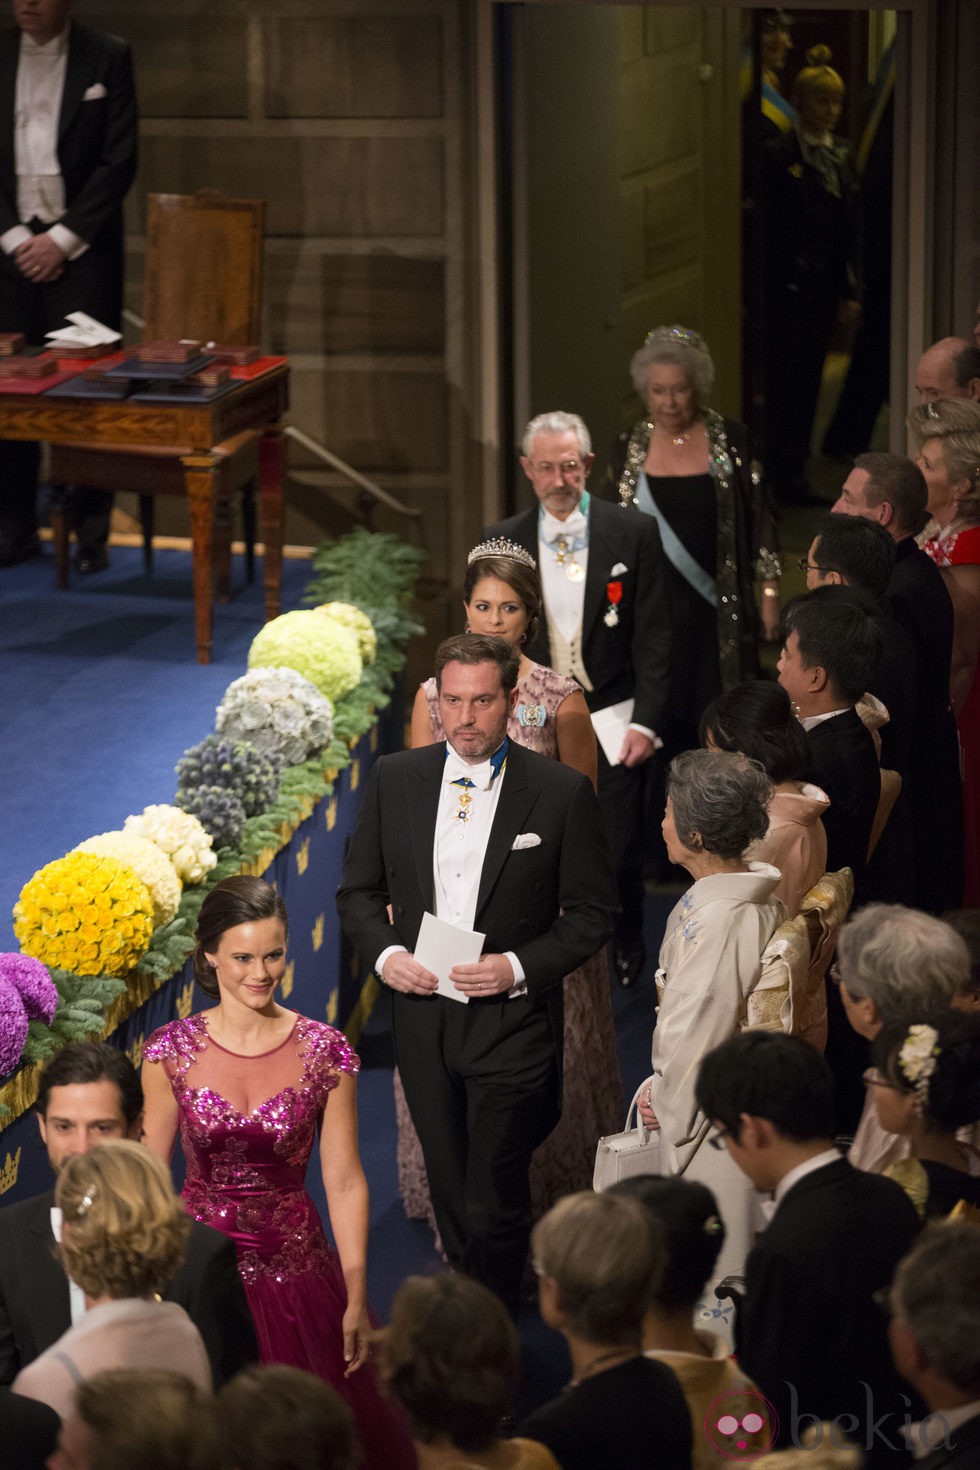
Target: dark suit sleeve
362 897
9 1359
93 206
651 626
782 1331
35 1307
209 1288
587 895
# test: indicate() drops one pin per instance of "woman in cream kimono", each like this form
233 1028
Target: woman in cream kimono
710 962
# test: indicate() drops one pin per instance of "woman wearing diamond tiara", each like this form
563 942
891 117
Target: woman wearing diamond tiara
694 472
502 597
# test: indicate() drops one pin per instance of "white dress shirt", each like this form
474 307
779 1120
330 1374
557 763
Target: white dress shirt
76 1295
819 1161
809 722
37 109
460 848
563 598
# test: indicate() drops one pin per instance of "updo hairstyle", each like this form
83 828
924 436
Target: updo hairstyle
233 901
950 1093
682 347
756 719
956 421
450 1357
687 1213
125 1230
818 75
524 582
720 801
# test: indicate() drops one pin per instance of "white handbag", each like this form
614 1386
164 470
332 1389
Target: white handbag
634 1151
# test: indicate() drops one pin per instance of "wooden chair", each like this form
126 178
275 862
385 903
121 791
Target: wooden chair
202 279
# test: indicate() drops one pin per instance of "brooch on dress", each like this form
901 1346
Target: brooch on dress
531 716
614 592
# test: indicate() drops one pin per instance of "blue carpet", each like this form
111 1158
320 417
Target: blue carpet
102 695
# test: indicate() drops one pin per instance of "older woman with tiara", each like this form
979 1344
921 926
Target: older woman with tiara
694 472
810 194
502 598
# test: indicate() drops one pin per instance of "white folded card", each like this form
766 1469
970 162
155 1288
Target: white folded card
610 726
84 331
440 946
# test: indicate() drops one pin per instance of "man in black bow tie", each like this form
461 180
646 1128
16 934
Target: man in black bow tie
607 625
487 836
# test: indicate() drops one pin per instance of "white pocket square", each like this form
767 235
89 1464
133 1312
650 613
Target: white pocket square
93 93
618 569
525 839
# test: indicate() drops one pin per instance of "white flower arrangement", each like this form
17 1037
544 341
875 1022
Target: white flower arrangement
279 711
179 836
152 867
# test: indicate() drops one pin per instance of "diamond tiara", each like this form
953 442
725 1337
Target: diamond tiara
684 335
500 546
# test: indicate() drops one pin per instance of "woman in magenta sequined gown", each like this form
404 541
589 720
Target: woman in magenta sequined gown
248 1084
502 597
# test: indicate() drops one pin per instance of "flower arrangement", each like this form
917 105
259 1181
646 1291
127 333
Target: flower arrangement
359 623
33 982
149 864
13 1027
89 917
178 835
234 765
85 913
218 810
376 572
320 648
279 712
27 993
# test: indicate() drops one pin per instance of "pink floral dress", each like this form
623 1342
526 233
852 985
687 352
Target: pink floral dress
246 1166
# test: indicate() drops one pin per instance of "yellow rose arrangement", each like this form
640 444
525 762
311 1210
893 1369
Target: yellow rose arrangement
150 865
87 914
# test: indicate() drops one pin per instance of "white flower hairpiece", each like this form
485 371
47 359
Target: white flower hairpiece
917 1060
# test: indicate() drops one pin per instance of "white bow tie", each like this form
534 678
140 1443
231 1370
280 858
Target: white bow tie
572 526
456 768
